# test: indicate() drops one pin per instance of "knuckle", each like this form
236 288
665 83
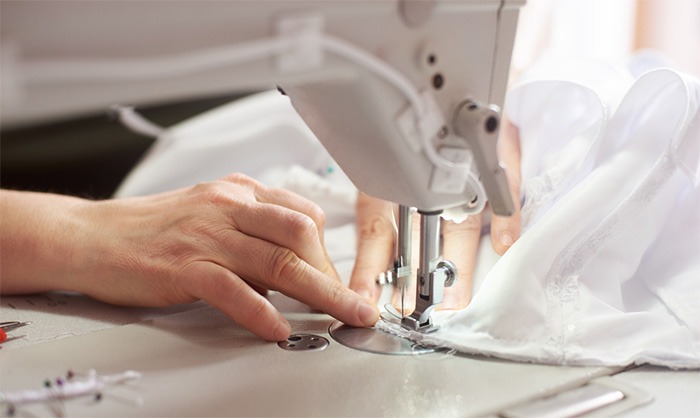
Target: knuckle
335 295
284 267
202 188
304 227
242 181
198 280
317 215
376 228
211 193
239 178
216 196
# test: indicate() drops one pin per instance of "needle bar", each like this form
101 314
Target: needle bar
403 253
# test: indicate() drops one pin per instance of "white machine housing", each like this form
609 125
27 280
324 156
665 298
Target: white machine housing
62 59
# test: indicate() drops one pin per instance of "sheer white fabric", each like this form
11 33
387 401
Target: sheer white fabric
607 270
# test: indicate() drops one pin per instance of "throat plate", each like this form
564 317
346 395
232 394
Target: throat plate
373 340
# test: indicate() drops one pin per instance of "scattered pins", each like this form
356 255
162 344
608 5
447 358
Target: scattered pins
69 387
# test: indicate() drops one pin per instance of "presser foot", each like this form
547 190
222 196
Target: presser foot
433 285
412 324
394 316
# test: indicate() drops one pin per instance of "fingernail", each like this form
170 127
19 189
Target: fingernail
368 313
507 239
282 331
449 301
364 293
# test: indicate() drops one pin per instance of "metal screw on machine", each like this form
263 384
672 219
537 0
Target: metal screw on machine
304 342
449 270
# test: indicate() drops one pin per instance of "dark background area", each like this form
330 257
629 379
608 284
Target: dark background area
86 157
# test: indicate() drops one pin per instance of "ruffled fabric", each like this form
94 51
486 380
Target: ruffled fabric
607 271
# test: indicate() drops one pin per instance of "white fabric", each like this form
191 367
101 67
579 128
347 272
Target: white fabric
607 271
261 136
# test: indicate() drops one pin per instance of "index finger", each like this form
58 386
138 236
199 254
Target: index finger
219 287
279 268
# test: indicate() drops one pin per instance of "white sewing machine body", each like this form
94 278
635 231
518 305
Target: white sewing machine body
61 59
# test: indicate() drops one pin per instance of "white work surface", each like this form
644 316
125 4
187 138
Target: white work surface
197 362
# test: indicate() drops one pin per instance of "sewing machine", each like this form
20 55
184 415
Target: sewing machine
405 95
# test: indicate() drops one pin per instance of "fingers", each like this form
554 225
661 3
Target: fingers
284 218
261 290
460 243
278 268
221 288
506 230
293 201
286 228
375 245
281 248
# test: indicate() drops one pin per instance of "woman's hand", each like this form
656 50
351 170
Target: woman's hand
225 242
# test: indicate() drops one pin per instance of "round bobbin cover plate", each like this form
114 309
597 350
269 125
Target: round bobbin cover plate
374 341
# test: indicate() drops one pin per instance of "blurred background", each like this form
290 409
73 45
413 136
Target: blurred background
609 30
88 156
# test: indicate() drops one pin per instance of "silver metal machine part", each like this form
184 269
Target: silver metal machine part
374 341
402 263
478 125
304 342
433 275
